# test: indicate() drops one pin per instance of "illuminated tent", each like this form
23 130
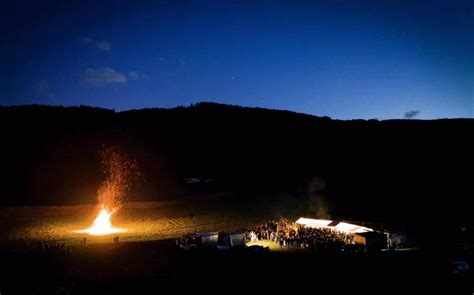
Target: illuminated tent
335 225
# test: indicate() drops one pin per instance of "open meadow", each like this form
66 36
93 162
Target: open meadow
144 221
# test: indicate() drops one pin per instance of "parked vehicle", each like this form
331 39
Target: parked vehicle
232 240
199 240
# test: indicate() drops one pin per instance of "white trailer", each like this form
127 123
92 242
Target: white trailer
232 240
199 240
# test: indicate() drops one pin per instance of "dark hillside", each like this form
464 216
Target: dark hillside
376 170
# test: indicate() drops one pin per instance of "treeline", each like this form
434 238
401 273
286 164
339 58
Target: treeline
390 169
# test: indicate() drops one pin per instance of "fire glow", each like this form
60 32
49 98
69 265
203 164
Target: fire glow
120 171
102 225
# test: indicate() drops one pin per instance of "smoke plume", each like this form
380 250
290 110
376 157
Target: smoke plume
317 205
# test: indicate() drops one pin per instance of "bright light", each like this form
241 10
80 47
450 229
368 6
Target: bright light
102 225
351 228
315 223
339 226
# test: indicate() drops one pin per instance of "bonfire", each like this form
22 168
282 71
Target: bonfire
112 192
102 225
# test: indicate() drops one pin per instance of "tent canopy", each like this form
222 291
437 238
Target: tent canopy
335 225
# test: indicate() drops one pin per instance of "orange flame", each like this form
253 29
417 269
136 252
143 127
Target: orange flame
102 225
120 172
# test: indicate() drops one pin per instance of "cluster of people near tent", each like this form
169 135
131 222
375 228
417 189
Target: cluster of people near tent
292 235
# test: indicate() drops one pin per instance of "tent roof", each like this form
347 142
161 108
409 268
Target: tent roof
339 226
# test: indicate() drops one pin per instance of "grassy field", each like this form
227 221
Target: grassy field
144 221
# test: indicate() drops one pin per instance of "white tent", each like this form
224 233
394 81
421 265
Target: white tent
335 225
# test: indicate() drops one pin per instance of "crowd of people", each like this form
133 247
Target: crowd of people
292 235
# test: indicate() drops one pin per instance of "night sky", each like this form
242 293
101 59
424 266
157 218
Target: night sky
371 59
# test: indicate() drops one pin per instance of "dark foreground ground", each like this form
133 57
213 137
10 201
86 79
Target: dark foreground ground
160 268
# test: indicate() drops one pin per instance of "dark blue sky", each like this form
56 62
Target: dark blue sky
342 59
